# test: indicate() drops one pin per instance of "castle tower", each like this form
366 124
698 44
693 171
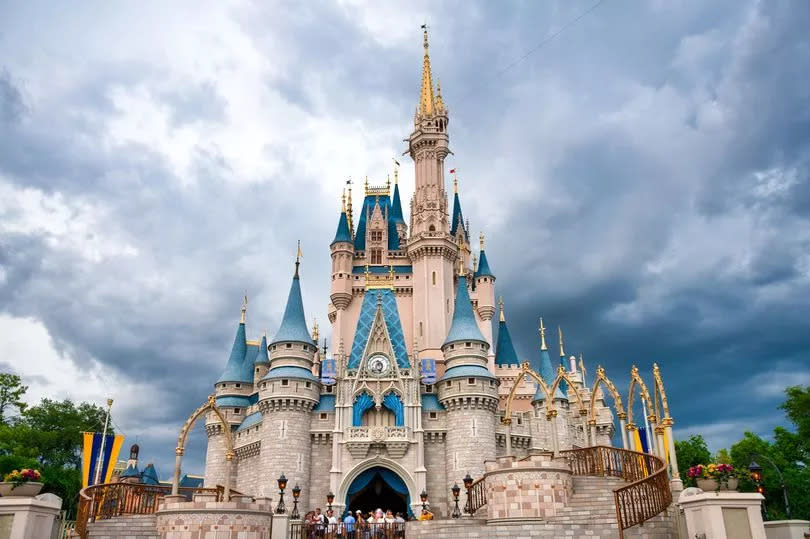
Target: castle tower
547 435
262 363
287 395
396 209
342 252
431 248
469 392
485 293
232 390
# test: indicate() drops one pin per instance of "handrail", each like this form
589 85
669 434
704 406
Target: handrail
476 497
646 496
110 500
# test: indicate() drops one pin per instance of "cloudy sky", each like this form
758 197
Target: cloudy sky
642 179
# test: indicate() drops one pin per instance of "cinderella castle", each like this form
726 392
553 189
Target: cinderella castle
410 400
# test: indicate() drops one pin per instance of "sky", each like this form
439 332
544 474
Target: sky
640 171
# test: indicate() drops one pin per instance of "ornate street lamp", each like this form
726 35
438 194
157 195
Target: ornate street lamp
296 493
423 496
756 474
761 488
329 499
282 484
456 491
468 481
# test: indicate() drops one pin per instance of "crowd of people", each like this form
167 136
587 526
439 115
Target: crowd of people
374 525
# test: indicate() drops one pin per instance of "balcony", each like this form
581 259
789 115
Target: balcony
360 439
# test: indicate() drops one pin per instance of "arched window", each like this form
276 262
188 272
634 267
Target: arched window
434 277
432 228
420 329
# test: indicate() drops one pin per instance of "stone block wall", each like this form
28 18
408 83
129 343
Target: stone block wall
285 449
436 478
215 465
204 519
536 488
318 486
470 442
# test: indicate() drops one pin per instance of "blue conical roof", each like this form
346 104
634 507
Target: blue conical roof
464 327
396 207
131 471
261 355
483 266
505 352
458 217
549 374
149 475
233 369
294 324
343 233
563 383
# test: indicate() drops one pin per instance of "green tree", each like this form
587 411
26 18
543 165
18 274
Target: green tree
797 409
11 393
690 453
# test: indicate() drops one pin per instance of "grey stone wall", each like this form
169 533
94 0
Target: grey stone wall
436 478
318 487
470 441
285 449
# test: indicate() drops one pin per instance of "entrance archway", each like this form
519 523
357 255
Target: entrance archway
378 487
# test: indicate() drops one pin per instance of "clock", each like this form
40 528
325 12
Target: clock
378 365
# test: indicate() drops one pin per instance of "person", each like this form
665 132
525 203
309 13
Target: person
362 531
426 515
332 523
319 520
399 526
349 524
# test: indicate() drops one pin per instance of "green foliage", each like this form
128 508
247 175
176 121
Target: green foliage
690 453
722 457
11 393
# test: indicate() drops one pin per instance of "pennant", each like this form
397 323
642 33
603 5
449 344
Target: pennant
645 444
452 171
93 459
328 372
428 370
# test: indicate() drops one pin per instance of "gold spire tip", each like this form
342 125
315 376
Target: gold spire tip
542 335
343 201
481 240
559 332
244 309
500 304
455 182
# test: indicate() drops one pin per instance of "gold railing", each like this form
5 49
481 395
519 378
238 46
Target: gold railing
108 500
476 497
647 495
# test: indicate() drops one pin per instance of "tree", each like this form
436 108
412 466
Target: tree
11 393
690 453
797 409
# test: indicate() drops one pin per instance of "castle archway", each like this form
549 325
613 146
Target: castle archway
378 483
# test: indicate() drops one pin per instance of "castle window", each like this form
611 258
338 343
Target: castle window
448 305
432 228
376 256
305 347
237 411
433 415
467 344
324 416
420 329
309 384
285 382
274 347
519 421
429 388
376 235
257 370
328 389
471 381
491 383
449 383
237 385
289 345
434 278
224 385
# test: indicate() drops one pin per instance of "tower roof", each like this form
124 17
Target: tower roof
365 321
396 206
293 323
426 102
464 327
505 352
131 471
483 266
149 475
549 374
458 217
261 355
343 233
233 369
384 202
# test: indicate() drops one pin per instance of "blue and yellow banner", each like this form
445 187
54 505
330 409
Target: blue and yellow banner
91 453
428 370
328 372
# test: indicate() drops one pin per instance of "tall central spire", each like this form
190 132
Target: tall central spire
426 96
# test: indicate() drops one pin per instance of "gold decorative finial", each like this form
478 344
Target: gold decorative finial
475 263
315 330
582 367
439 100
455 181
343 202
298 256
366 185
388 181
460 266
426 102
500 304
542 335
396 175
244 309
559 332
481 240
391 272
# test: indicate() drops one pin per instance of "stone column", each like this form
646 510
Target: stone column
623 427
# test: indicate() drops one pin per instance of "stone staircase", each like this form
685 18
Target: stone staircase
129 527
592 502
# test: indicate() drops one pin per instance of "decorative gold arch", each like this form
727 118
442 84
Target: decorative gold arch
210 405
662 394
563 375
525 369
601 378
635 379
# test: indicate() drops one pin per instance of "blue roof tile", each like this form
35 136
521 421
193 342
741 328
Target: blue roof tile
343 233
261 354
326 404
505 352
430 403
290 371
233 369
150 476
396 209
294 324
233 401
191 482
466 371
464 327
368 311
483 266
368 207
131 471
458 217
549 374
250 421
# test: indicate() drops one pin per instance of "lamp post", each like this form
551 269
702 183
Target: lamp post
423 496
282 484
758 469
296 493
468 481
456 490
329 499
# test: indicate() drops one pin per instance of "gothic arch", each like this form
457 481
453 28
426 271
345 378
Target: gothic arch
601 378
525 369
210 405
662 395
562 375
635 379
349 478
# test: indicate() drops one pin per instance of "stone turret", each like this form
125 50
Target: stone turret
262 363
485 294
543 422
342 252
469 392
287 395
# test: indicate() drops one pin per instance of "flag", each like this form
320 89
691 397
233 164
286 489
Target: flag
396 162
91 453
452 171
424 26
428 368
645 444
328 372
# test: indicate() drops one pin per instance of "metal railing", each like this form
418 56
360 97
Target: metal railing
646 496
108 500
477 497
308 530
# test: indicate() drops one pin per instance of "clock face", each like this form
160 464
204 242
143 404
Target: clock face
378 365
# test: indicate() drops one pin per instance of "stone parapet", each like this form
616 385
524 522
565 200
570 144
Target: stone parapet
243 519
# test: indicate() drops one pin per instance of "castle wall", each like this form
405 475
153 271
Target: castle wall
470 441
285 449
436 479
318 485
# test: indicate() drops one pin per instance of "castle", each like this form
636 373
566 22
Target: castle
411 399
